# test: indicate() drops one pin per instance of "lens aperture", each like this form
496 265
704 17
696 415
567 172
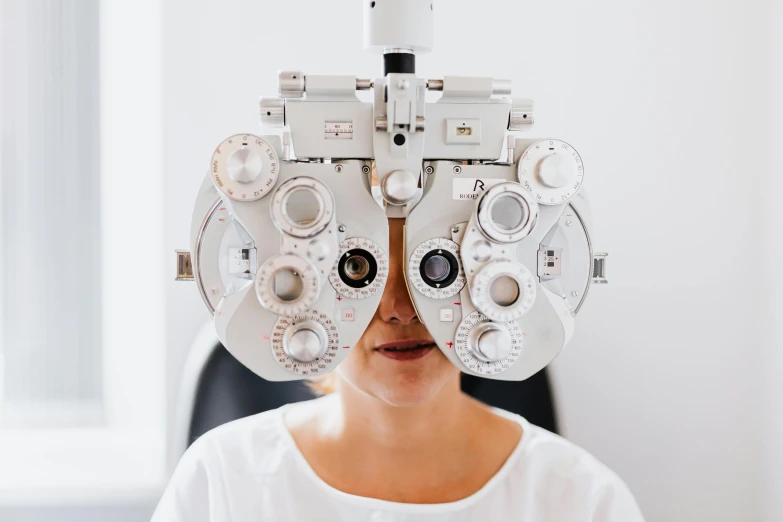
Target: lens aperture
288 286
504 291
508 213
437 268
357 267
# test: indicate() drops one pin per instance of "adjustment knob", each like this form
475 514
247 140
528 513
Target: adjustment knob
244 165
305 342
552 171
490 342
521 116
485 347
291 84
399 187
272 111
309 344
557 170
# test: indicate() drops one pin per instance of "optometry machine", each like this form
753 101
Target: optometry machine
290 239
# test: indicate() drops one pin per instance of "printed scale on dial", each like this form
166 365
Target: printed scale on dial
338 130
377 269
443 248
552 171
470 354
244 167
320 326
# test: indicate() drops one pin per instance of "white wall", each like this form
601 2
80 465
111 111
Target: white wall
772 394
669 105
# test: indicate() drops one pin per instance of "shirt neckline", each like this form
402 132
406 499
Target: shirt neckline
387 505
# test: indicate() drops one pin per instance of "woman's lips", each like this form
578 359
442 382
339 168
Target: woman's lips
406 350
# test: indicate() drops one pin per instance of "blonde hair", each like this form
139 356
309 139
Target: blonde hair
323 385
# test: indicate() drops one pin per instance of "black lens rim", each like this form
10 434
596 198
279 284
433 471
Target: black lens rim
453 268
371 274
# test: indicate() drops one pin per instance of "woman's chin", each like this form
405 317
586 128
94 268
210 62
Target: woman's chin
398 379
409 386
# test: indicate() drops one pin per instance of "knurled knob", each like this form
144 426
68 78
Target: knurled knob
272 111
305 341
244 165
490 342
399 187
521 117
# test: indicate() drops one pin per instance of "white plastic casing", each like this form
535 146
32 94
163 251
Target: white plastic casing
398 24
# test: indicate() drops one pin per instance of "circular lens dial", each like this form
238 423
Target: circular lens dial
485 347
244 167
552 171
302 207
503 290
305 341
434 269
507 213
361 270
287 284
305 344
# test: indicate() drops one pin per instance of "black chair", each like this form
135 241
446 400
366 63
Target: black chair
225 390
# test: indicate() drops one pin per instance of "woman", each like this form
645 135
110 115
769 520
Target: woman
395 440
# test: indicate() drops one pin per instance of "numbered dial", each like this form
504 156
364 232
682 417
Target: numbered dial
552 171
485 347
503 290
302 207
306 344
361 270
244 167
434 269
507 213
287 284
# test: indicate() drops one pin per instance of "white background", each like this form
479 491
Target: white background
673 376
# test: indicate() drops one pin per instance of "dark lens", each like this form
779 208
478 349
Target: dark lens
357 267
437 268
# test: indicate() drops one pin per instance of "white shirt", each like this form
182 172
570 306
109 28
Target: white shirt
251 470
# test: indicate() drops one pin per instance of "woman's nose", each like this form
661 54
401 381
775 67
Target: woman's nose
396 306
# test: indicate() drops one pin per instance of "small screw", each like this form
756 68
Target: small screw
341 228
366 169
338 168
428 169
457 169
574 294
454 230
569 223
